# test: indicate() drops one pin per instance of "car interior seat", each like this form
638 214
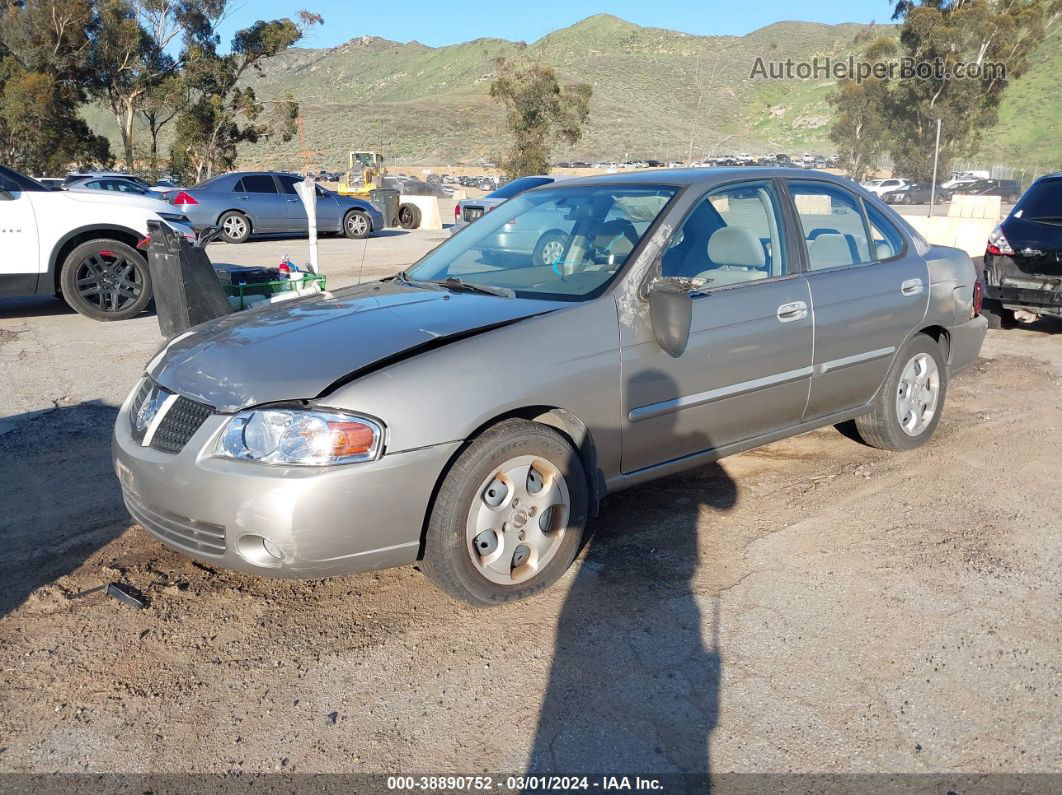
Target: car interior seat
736 255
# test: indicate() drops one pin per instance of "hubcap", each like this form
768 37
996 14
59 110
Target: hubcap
517 520
551 251
918 394
356 224
235 226
109 281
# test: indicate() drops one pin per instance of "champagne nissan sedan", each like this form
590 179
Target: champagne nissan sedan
472 411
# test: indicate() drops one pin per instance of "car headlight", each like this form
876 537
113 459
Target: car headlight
300 437
175 218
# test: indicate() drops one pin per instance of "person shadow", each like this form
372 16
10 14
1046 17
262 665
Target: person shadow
634 684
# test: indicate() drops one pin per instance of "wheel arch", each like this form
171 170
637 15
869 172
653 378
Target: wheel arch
573 429
73 239
364 211
239 210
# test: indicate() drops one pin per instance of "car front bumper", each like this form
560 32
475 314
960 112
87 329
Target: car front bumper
324 521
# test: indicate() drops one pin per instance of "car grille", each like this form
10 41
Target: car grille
190 534
179 424
471 213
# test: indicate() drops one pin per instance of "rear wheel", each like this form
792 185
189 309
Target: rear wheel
908 408
235 227
357 225
998 317
106 280
550 248
509 517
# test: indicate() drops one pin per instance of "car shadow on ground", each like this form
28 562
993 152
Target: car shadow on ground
61 500
634 685
33 306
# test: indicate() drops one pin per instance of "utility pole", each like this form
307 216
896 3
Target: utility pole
933 187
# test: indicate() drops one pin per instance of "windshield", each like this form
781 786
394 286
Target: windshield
561 242
510 189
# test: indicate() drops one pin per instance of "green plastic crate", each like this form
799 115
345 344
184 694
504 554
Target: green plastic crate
248 294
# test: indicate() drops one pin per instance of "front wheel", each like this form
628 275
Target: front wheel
550 248
357 225
509 517
106 280
908 407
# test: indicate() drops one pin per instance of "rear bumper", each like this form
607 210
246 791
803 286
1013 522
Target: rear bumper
966 340
1005 282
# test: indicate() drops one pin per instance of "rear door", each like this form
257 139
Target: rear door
869 291
746 369
261 200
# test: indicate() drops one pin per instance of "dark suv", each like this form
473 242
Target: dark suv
1023 263
1008 189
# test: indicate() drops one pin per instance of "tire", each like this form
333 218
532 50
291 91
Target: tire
357 225
235 227
452 560
882 427
409 216
106 280
542 255
998 317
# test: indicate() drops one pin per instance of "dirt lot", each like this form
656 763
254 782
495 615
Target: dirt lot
816 605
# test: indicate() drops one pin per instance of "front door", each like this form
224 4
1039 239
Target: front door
20 263
746 369
869 291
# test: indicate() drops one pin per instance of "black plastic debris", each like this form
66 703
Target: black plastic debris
187 290
127 594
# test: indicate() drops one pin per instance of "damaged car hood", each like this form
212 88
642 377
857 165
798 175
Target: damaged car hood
304 348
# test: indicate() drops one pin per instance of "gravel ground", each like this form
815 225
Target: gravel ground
812 606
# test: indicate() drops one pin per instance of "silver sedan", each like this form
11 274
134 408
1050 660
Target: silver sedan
256 202
472 411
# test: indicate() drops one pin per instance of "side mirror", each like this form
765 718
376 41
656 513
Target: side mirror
6 196
671 313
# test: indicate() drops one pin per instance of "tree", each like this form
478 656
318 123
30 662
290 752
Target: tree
130 55
859 129
538 111
951 35
44 66
160 106
223 113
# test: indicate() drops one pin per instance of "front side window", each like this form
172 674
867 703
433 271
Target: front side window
560 243
832 223
734 235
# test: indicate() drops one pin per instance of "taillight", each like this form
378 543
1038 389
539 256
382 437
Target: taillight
998 245
184 198
978 298
457 212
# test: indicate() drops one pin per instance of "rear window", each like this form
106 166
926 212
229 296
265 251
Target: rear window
1041 202
510 189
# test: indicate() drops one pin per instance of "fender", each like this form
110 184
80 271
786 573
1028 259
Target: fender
48 282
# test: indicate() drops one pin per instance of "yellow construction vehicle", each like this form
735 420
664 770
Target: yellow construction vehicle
363 176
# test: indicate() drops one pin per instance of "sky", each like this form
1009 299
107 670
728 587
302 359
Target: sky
443 22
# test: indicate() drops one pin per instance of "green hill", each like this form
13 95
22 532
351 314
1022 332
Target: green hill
657 94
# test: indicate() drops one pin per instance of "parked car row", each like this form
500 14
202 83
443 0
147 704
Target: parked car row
904 191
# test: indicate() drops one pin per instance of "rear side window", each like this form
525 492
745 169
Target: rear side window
887 239
1042 202
287 184
256 183
831 220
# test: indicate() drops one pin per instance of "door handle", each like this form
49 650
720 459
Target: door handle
911 287
796 310
292 201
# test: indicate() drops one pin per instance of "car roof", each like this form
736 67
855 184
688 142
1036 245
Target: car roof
705 177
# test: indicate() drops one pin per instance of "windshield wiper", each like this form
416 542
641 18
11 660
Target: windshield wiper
405 278
454 283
